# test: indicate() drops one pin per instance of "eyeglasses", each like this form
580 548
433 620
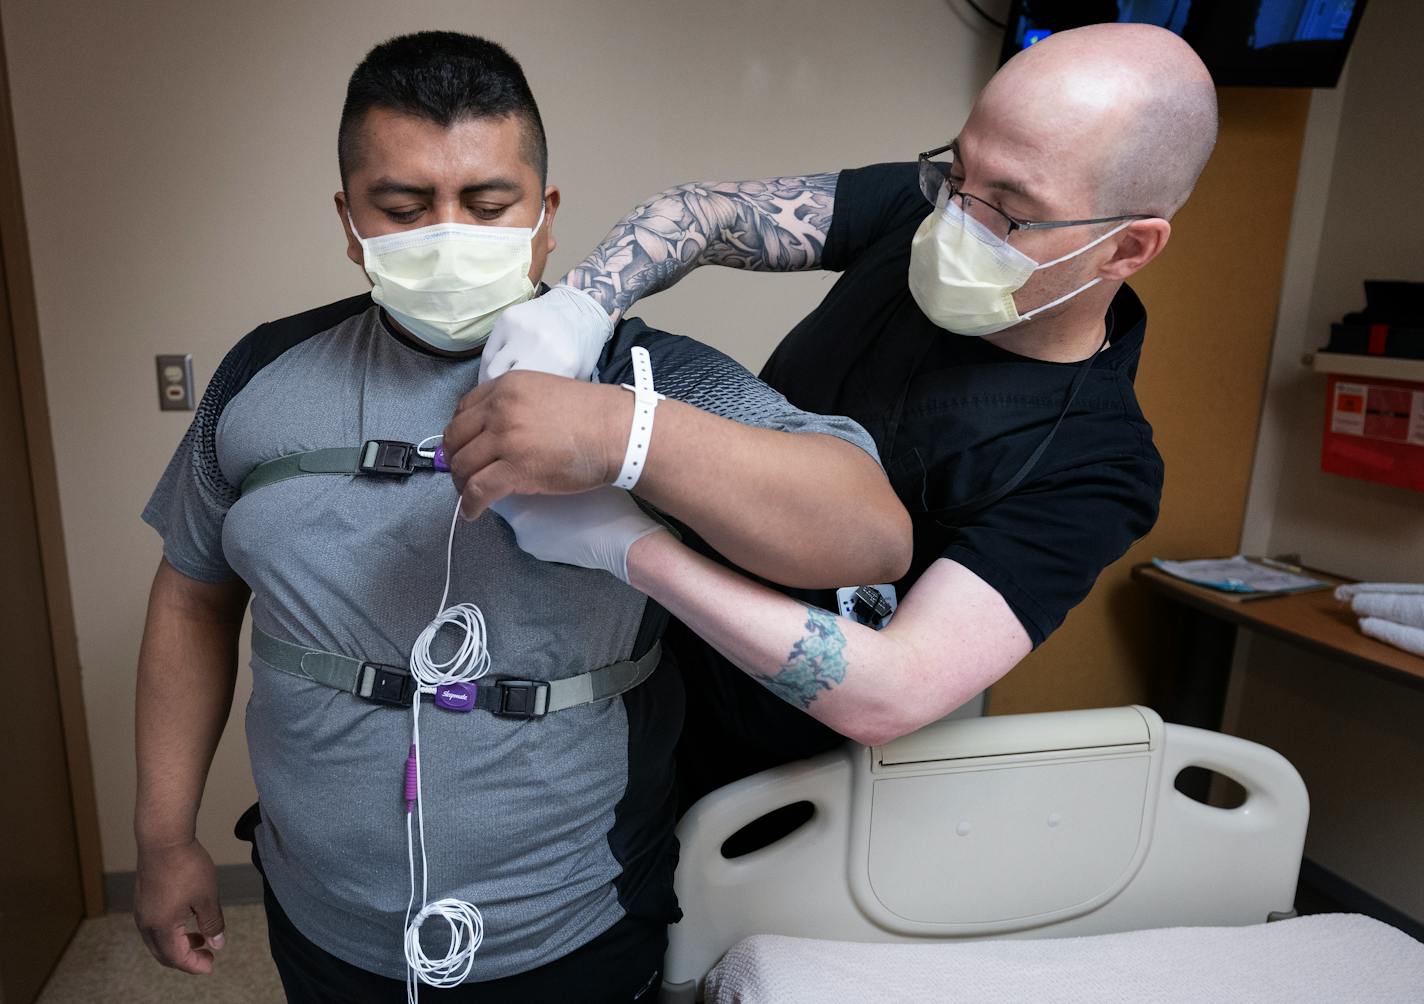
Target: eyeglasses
935 177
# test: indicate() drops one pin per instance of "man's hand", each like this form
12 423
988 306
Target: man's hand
535 434
174 884
594 529
561 332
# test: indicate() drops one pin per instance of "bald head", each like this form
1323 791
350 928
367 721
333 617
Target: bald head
1123 114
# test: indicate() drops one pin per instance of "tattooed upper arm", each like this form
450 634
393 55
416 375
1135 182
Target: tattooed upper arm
771 225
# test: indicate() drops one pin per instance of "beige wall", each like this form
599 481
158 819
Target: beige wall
1356 739
178 164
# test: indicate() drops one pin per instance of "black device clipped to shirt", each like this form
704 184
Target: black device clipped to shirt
870 606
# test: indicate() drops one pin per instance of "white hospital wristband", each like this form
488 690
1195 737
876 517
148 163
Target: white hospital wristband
641 435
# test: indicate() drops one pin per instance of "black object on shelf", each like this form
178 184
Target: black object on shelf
1392 323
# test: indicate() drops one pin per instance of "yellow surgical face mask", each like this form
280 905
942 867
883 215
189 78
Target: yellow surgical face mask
964 277
447 283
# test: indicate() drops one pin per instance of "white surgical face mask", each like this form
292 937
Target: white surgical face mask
447 283
964 277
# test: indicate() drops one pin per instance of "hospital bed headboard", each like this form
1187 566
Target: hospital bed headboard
1018 826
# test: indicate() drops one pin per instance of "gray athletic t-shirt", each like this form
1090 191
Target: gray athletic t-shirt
553 827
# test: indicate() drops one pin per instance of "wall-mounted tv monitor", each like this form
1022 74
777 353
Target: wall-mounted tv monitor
1268 43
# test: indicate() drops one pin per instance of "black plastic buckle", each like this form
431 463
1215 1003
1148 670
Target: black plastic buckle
521 698
389 457
380 683
871 605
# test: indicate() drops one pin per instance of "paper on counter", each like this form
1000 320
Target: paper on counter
1237 575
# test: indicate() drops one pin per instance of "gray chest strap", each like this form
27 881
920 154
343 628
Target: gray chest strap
381 457
382 683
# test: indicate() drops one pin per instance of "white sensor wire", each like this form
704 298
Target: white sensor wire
427 451
464 922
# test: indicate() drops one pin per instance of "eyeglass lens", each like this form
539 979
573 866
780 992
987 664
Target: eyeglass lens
934 176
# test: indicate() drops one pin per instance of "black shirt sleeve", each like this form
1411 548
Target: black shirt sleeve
871 202
1043 546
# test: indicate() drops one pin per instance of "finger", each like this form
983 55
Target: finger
494 347
210 922
475 455
499 363
474 397
173 948
463 427
488 485
198 958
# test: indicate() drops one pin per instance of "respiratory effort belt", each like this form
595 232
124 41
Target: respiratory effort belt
454 684
383 683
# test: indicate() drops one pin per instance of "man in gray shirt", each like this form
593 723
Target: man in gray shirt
557 826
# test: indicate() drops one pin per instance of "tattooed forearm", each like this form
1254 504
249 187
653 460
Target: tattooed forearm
816 662
775 225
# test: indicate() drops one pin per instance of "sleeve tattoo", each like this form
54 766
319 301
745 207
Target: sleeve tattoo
773 225
816 662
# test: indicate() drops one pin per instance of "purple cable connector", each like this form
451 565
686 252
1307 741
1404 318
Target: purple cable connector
439 459
412 783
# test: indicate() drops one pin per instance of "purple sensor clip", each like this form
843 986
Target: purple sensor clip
439 459
456 696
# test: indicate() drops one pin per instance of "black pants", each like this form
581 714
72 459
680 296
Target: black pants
622 964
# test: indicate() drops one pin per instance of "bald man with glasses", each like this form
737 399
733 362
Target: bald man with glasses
982 331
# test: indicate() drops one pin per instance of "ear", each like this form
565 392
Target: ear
551 207
1137 245
353 246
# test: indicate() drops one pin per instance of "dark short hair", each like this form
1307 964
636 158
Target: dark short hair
442 76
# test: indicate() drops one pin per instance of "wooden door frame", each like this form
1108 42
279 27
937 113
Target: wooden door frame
16 273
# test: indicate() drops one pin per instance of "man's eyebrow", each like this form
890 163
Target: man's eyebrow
493 185
999 184
390 186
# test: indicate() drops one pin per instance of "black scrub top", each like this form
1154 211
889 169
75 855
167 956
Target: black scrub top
956 417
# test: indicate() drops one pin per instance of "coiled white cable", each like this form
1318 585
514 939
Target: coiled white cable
463 920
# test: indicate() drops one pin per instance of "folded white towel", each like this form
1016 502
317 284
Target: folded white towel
1411 639
1402 608
1355 588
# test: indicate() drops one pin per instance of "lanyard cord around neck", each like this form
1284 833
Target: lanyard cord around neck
988 498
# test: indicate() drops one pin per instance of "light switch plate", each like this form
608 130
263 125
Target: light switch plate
175 382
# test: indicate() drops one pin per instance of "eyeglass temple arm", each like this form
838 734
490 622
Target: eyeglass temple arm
1051 224
1029 224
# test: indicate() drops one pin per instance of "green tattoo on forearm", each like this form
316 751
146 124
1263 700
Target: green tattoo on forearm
816 662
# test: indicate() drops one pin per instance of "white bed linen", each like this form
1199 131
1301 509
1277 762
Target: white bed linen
1327 957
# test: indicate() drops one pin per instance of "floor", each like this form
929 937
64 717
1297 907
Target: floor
107 962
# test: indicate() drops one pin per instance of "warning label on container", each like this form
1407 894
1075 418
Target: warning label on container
1347 413
1393 414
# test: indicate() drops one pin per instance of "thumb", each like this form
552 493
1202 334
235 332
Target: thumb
495 346
496 361
508 508
210 921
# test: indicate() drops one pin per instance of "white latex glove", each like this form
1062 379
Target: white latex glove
593 529
561 332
